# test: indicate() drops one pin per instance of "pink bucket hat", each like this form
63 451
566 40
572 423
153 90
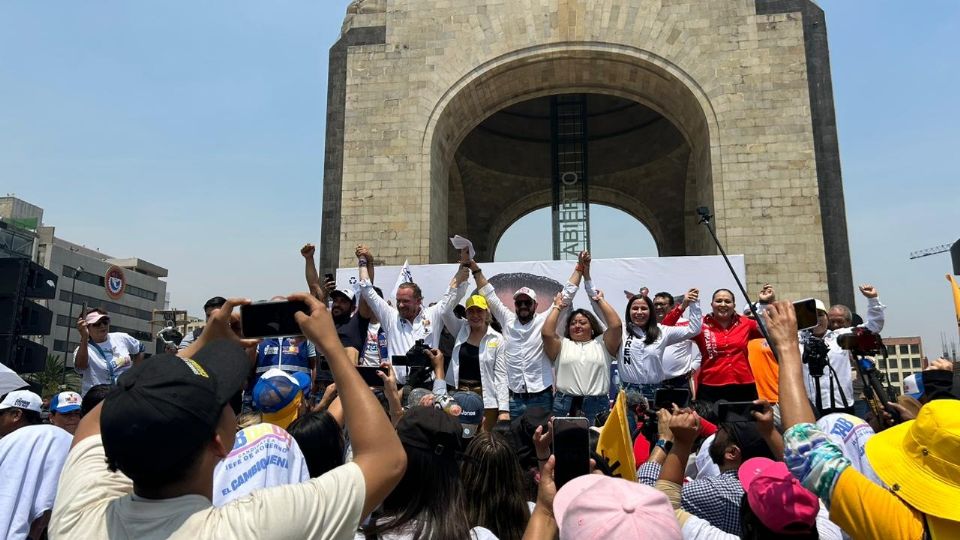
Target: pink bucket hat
593 507
776 497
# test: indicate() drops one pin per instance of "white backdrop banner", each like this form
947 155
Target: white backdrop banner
674 275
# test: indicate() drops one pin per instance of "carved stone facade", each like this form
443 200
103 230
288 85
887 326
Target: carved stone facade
726 104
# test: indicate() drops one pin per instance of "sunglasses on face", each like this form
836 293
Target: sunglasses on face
99 324
523 302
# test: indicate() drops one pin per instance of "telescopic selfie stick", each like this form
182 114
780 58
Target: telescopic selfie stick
705 217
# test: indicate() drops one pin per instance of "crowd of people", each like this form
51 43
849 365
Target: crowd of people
767 431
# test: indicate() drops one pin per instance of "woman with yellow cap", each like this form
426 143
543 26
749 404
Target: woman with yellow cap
477 363
918 460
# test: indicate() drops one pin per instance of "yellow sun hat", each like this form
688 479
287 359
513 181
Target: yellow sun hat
920 459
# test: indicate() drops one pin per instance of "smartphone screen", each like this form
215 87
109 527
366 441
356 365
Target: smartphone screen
737 411
328 277
271 319
369 375
806 313
664 398
571 446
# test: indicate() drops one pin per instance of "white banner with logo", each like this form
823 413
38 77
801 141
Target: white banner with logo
674 275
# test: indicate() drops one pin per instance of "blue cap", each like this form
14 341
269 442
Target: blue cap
305 383
471 412
274 391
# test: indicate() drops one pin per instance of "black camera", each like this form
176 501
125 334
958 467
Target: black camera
815 355
861 342
416 357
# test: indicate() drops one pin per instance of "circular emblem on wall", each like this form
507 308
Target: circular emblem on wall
114 282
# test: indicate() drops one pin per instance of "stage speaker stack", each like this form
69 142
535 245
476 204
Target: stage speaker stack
22 281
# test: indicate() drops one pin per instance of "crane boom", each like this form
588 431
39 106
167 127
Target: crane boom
930 251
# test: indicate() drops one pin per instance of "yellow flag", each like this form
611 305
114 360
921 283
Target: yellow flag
956 297
616 444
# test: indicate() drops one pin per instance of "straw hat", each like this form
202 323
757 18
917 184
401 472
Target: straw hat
920 459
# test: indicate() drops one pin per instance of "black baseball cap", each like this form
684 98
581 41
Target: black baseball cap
166 405
431 430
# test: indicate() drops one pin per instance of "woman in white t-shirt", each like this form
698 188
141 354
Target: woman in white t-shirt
582 359
640 362
103 355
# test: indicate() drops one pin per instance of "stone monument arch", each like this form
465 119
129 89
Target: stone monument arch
438 124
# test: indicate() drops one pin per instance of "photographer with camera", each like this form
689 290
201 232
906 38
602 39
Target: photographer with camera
919 459
827 372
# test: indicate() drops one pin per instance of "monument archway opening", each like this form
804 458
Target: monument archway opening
493 150
613 233
635 160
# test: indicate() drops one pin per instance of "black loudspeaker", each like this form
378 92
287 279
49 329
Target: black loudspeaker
22 355
24 317
23 276
955 255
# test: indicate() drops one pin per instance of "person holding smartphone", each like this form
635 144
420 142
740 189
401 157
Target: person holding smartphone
582 358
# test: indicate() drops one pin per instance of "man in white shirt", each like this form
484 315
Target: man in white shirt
410 321
529 370
143 461
679 359
834 380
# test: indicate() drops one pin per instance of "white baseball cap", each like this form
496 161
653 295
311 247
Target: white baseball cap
527 291
66 402
346 291
22 399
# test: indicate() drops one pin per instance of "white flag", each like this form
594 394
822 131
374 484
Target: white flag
404 277
460 242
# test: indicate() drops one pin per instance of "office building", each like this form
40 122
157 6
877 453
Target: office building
129 289
904 358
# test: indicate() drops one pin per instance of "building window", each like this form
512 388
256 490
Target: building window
58 345
882 364
111 307
914 348
84 276
893 363
916 363
895 377
891 350
904 350
142 293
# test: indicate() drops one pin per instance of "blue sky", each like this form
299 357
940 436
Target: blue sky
191 134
